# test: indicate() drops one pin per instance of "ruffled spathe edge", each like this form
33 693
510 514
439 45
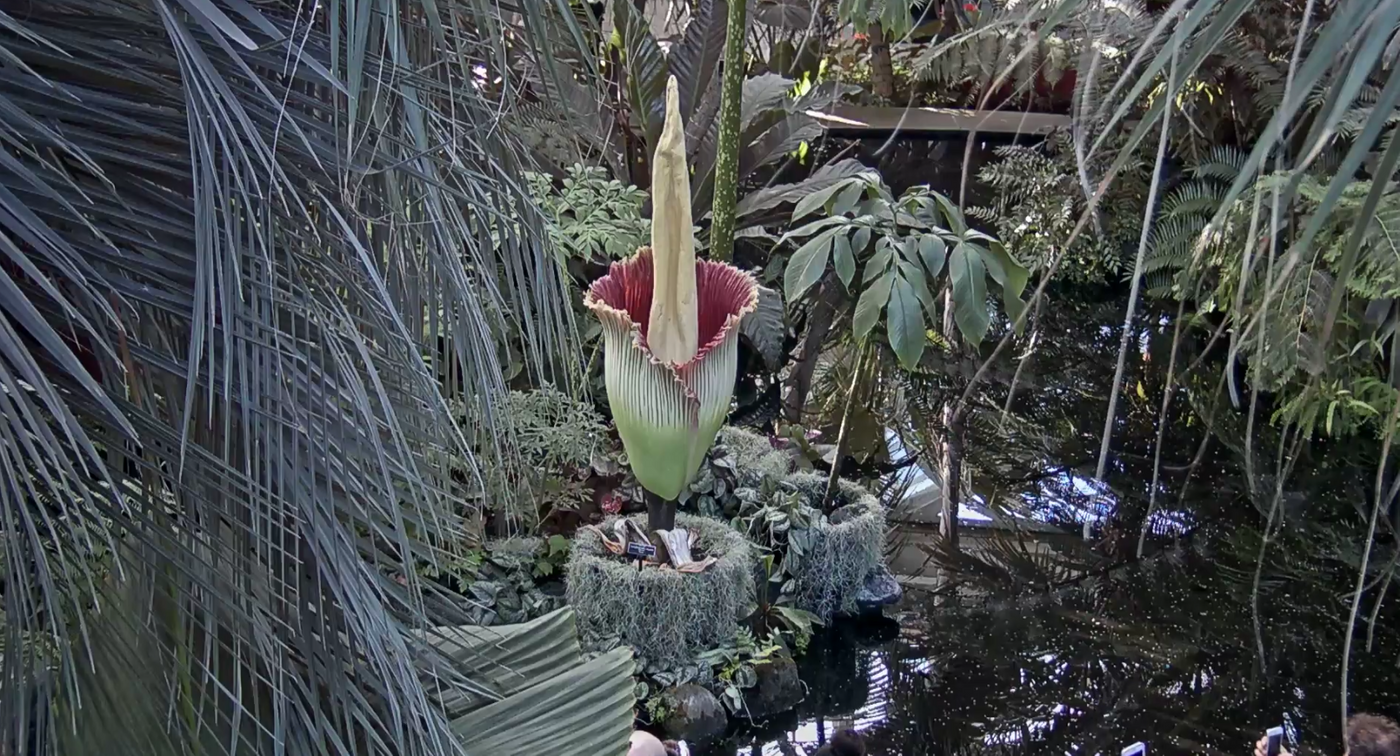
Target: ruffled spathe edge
723 292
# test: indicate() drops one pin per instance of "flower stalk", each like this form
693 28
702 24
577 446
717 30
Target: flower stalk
670 336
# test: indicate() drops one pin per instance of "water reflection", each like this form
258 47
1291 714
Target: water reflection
1164 652
1082 648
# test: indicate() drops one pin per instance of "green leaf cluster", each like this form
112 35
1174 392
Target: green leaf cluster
906 251
591 216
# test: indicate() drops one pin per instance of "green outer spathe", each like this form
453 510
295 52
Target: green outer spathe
664 428
668 415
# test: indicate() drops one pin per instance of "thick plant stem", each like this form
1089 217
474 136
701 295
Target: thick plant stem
842 439
727 156
661 514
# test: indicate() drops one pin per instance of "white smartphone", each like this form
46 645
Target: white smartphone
1275 741
1136 749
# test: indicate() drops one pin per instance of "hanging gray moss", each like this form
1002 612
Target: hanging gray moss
668 617
827 560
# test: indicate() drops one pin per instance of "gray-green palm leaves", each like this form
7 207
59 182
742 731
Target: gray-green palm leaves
242 243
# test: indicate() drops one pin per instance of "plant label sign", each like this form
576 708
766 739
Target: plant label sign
640 551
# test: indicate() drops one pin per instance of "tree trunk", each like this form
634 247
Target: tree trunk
799 382
881 67
951 458
661 514
952 478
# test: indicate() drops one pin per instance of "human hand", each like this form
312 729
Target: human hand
1261 748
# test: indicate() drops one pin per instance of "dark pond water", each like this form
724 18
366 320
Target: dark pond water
1195 648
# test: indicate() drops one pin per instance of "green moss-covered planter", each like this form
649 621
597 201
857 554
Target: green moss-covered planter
754 457
668 617
829 560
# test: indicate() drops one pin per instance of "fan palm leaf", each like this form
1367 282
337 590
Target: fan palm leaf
241 244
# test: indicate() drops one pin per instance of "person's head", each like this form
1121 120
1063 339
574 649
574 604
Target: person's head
645 744
848 743
1372 735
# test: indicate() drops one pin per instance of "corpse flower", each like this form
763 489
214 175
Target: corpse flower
670 332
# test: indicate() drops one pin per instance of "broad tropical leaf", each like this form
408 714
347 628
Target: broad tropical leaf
906 323
646 70
541 695
766 326
871 304
755 203
967 275
695 60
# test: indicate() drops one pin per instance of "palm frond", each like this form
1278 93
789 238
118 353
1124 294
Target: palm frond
251 251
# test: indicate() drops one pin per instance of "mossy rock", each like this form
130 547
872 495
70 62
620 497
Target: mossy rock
668 617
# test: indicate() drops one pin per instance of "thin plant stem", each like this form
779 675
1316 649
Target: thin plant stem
841 435
1380 599
1366 555
1137 267
1021 363
1279 475
1161 429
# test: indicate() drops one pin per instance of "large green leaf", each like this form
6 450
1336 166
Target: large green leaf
807 264
766 326
860 240
968 276
765 100
843 259
541 695
646 70
906 323
695 59
817 200
871 303
880 261
933 250
1011 275
754 203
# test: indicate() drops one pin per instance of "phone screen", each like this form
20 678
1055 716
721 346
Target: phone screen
1136 749
1275 736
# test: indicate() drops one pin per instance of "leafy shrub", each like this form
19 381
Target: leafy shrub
558 438
735 665
502 579
897 253
739 458
1039 200
591 216
823 560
